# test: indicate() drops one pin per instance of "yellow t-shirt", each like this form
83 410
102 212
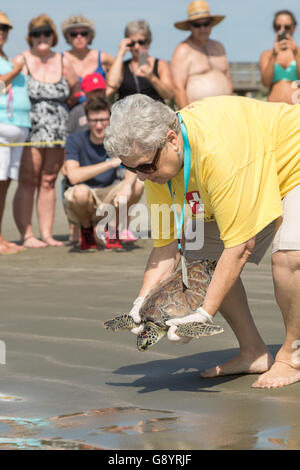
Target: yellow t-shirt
245 158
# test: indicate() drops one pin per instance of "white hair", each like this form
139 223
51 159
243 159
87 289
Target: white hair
138 124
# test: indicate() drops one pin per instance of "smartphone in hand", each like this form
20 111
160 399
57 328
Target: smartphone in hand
281 36
143 58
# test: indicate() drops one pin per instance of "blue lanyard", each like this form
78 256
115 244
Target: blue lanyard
187 171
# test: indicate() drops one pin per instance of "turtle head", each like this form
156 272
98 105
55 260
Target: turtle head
149 336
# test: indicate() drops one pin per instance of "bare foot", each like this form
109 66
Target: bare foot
14 246
6 249
241 364
52 242
280 374
33 242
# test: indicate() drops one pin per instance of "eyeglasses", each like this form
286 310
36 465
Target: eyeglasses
146 168
74 34
4 28
94 121
205 24
286 27
38 34
141 42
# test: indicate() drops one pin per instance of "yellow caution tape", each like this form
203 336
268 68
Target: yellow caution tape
33 144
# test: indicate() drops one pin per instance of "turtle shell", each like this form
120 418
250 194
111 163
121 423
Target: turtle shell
171 299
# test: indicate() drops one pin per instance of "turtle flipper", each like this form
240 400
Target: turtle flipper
198 329
123 322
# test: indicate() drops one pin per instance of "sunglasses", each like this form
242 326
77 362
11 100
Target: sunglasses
286 27
38 34
146 168
205 24
74 34
4 28
141 42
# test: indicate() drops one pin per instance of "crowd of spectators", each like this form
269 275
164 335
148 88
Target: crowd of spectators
58 104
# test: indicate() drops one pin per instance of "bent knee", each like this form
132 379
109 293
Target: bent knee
82 193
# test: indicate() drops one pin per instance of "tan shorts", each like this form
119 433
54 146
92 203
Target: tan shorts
100 195
286 229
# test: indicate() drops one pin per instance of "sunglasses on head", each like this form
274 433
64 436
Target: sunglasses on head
205 24
286 27
141 42
146 168
38 34
4 28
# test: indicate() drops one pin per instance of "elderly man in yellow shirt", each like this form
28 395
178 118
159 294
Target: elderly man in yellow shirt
244 158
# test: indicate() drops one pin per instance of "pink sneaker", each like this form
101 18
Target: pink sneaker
127 236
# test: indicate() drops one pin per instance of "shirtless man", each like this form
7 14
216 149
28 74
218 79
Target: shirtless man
199 65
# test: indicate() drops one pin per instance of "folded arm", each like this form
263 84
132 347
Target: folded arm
78 174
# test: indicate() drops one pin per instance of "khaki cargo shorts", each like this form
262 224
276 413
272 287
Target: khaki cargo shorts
100 195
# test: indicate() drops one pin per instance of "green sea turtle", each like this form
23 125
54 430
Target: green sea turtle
170 299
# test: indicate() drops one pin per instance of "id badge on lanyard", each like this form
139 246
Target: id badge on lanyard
179 223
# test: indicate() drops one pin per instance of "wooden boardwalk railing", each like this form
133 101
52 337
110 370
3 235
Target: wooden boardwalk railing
246 77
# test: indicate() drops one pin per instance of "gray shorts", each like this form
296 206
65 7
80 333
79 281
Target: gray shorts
285 228
213 245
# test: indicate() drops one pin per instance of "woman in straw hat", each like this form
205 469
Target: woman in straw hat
14 122
199 64
79 32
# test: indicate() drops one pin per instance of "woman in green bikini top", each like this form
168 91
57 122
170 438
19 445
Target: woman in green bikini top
280 67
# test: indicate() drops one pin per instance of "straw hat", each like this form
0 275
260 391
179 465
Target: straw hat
196 11
4 20
77 21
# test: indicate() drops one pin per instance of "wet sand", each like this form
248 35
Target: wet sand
68 383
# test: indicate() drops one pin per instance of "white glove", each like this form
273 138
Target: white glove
135 314
201 316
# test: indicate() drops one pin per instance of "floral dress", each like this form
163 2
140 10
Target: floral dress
49 112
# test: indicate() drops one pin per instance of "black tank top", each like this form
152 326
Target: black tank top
132 84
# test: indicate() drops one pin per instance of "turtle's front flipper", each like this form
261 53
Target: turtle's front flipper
123 322
198 329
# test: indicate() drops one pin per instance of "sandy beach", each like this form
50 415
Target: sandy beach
68 383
